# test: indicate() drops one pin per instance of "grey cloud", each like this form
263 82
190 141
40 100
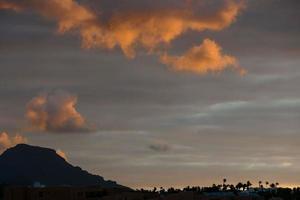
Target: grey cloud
160 146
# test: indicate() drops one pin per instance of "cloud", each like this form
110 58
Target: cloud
159 146
10 6
128 30
7 141
152 28
207 57
55 112
62 154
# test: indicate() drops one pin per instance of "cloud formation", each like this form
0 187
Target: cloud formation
10 6
207 57
160 146
55 112
152 28
62 154
149 29
7 141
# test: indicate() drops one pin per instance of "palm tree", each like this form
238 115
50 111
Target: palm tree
162 190
272 185
248 184
154 189
215 187
244 186
224 184
219 187
239 186
232 188
276 185
267 184
261 186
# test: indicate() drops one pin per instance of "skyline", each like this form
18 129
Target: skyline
170 93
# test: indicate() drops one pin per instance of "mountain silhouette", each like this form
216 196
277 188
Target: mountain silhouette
26 165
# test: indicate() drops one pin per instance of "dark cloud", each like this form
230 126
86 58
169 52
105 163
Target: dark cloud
160 146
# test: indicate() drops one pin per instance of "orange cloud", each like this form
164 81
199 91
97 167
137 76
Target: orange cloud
67 13
207 57
7 141
62 154
128 30
152 28
10 6
55 112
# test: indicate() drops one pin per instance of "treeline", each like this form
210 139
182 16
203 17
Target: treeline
1 191
267 190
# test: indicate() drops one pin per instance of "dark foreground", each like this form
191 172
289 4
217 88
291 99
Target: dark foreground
41 174
194 193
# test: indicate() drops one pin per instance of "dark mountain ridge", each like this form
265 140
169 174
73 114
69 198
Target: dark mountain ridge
26 165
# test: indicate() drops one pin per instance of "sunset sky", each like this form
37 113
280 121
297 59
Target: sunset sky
155 93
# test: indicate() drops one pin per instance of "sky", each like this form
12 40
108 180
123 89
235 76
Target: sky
155 93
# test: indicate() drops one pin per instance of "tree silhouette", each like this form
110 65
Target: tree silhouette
154 189
244 186
248 184
267 184
224 184
274 190
272 185
232 188
239 186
